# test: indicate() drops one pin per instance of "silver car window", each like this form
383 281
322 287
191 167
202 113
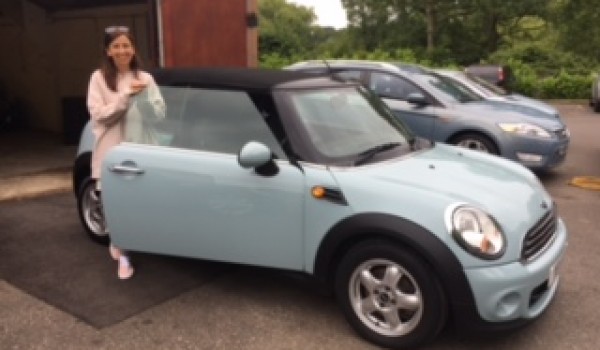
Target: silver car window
389 86
447 89
349 74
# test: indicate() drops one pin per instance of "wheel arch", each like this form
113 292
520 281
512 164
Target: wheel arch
81 169
450 139
431 249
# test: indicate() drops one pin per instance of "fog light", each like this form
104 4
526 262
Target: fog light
508 305
529 157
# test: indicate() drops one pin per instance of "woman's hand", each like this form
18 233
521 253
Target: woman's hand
136 87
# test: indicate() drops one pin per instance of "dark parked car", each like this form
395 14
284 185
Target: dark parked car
595 98
495 74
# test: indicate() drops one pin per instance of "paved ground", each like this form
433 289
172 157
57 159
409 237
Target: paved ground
33 163
240 307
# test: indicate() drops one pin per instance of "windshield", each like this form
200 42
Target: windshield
349 124
448 89
494 89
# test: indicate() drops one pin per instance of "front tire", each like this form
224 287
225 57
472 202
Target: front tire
476 142
91 214
389 295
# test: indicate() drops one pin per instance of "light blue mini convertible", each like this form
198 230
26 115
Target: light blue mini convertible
310 174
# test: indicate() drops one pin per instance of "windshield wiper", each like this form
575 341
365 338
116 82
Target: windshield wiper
371 152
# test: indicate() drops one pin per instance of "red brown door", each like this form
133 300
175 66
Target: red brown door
208 33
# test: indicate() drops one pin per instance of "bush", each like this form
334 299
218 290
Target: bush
542 71
275 61
562 84
566 85
524 78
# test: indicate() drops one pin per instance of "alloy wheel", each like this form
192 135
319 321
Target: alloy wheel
386 297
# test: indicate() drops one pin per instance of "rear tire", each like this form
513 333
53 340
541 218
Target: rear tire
91 214
389 295
476 142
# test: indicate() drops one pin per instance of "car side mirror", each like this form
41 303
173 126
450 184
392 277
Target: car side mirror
254 154
258 156
416 98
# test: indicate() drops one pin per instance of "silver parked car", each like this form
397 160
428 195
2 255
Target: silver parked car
315 175
437 108
492 92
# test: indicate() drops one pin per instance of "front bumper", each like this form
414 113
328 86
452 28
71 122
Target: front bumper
518 291
549 153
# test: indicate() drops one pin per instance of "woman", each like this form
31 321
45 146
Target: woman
110 92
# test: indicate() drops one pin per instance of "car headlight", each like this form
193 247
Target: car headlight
475 231
525 129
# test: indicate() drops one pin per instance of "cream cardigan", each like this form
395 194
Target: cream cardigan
107 110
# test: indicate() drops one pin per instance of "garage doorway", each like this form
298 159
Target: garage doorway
52 46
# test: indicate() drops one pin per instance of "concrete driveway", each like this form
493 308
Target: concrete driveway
219 306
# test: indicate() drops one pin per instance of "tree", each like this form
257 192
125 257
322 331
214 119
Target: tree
384 24
465 30
577 25
285 29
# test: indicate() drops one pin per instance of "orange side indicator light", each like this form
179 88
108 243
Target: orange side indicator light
318 192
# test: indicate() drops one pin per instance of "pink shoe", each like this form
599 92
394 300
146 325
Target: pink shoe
125 270
115 252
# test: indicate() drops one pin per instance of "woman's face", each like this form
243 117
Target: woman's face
121 51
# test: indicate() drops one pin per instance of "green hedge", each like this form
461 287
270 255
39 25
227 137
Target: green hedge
562 85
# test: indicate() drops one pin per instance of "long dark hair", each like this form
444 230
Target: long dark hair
107 67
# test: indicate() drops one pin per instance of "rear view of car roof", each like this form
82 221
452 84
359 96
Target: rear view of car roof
231 78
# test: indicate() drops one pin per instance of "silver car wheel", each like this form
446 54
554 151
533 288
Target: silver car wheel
474 145
92 211
386 297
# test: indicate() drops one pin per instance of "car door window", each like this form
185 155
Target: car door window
154 116
223 121
389 86
351 75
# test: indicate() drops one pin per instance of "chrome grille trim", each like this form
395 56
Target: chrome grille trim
540 236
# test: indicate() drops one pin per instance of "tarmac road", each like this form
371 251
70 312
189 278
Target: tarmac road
58 291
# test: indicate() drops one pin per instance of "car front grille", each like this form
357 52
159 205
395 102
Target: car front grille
540 236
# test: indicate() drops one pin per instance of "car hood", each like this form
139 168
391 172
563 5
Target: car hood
509 112
423 185
527 103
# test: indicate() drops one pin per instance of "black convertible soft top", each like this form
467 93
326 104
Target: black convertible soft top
230 78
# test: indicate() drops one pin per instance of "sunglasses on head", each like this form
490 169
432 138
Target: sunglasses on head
116 29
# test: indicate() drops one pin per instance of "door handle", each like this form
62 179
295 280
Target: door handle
126 169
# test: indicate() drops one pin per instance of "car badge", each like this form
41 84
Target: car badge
544 205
